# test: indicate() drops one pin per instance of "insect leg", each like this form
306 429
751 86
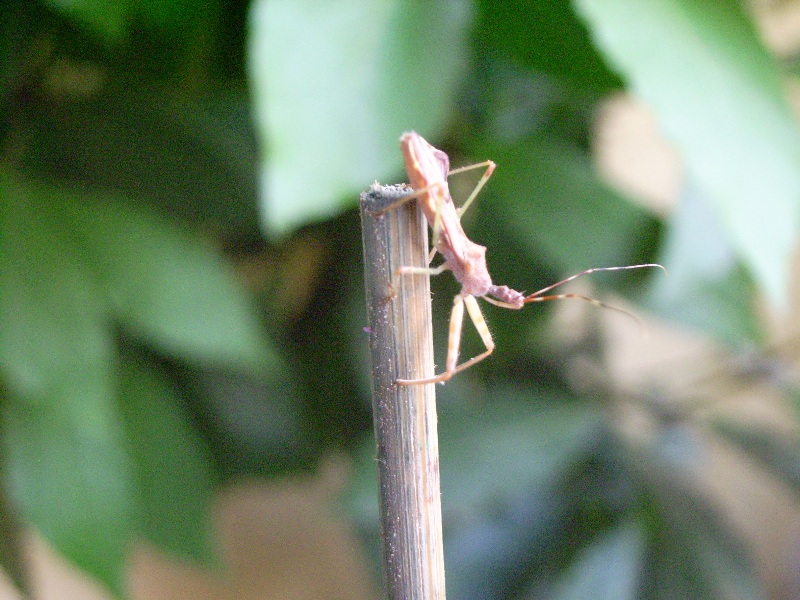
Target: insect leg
420 271
428 189
430 271
435 191
490 166
453 343
436 226
476 316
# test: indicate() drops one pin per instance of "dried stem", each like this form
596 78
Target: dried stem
401 342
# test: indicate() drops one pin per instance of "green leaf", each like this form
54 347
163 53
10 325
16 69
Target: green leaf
13 534
693 552
194 158
171 462
106 17
779 455
718 96
517 447
175 14
335 84
610 568
159 281
545 37
111 18
51 319
71 478
166 286
73 267
503 466
707 288
67 466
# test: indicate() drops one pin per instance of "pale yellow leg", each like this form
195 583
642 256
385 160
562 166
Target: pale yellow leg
454 341
436 227
490 166
476 316
421 270
398 203
431 271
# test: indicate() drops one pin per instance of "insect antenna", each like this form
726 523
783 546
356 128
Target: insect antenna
539 297
530 297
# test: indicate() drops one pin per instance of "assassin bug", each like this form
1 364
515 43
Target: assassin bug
428 169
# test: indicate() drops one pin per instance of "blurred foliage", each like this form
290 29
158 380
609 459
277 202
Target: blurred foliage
181 300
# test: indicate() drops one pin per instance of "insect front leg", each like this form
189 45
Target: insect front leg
490 167
429 271
433 188
436 227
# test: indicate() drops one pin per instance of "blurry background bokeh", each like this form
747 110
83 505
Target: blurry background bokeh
184 377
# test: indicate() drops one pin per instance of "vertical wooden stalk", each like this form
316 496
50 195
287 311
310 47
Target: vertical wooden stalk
401 342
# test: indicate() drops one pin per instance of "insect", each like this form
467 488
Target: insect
428 169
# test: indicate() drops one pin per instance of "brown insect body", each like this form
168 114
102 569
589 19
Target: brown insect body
427 169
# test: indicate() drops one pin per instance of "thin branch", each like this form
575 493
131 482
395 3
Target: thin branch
401 342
